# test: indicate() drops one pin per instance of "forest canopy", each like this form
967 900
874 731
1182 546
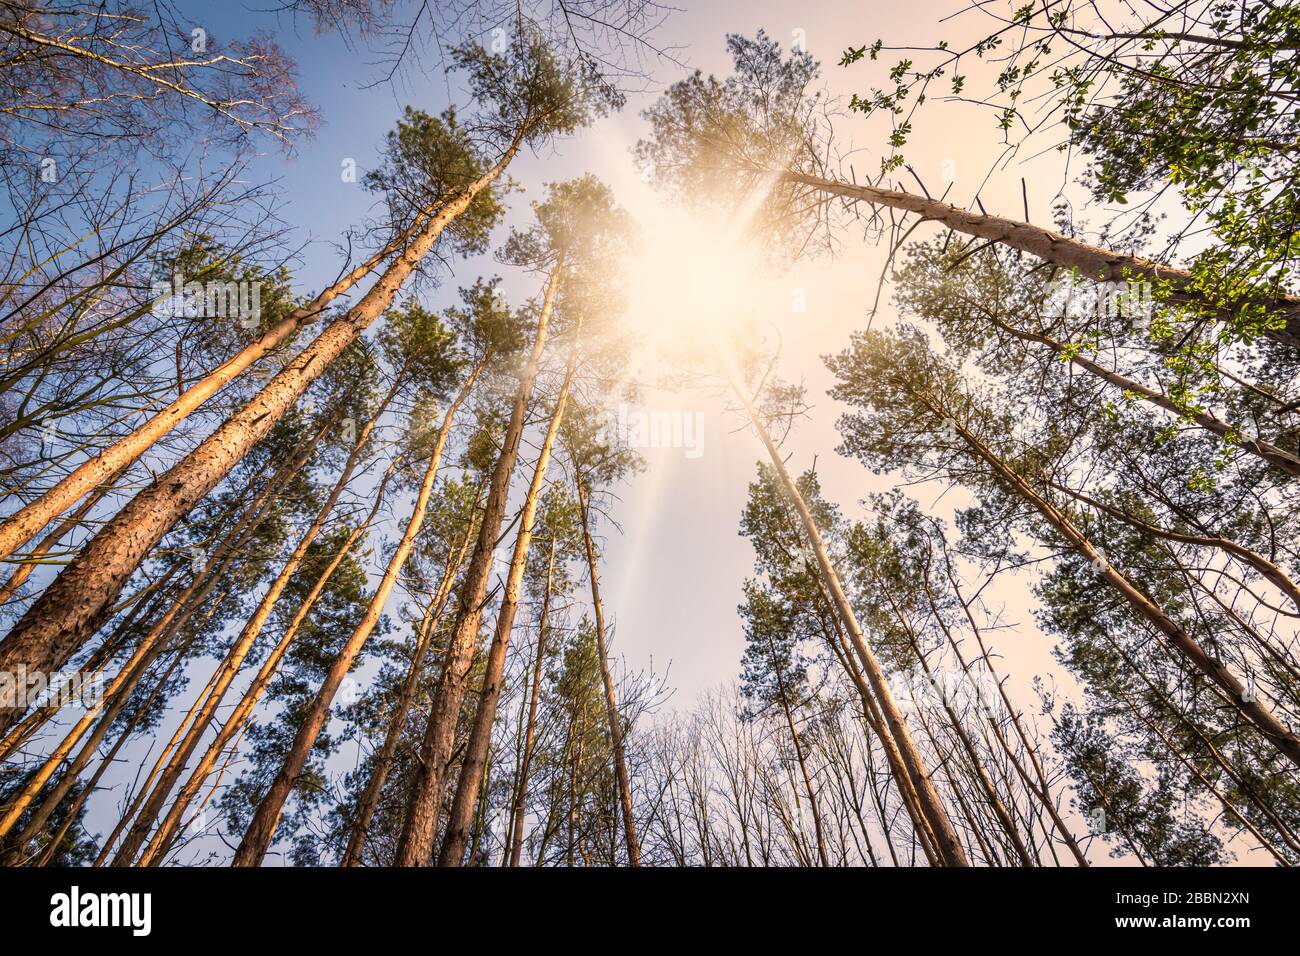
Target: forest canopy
513 444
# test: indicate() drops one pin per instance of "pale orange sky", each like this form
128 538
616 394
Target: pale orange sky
674 575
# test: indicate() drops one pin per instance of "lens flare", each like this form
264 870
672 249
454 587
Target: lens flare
691 281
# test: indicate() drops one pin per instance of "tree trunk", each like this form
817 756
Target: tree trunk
1040 788
222 677
230 669
1093 262
1278 458
104 764
922 832
1254 712
480 735
23 524
32 559
146 652
481 814
515 849
75 604
612 716
972 753
950 847
144 610
261 829
195 593
159 764
369 800
415 847
239 718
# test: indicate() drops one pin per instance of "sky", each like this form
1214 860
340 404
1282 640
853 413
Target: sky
673 573
672 576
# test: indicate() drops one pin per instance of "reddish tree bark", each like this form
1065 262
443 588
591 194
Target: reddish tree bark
415 847
473 764
76 603
261 828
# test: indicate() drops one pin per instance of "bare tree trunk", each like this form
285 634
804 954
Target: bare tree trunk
261 828
833 632
415 847
104 764
87 752
1233 689
32 559
159 765
238 721
234 660
192 596
19 527
615 720
149 648
950 847
481 814
972 754
103 656
369 800
480 735
1093 262
74 605
515 850
223 677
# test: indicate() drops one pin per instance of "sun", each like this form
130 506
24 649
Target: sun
692 280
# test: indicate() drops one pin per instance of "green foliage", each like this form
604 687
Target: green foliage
419 344
77 847
786 615
530 93
428 161
600 459
705 129
486 324
1137 815
578 221
557 532
920 411
1214 118
773 672
1205 110
715 144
